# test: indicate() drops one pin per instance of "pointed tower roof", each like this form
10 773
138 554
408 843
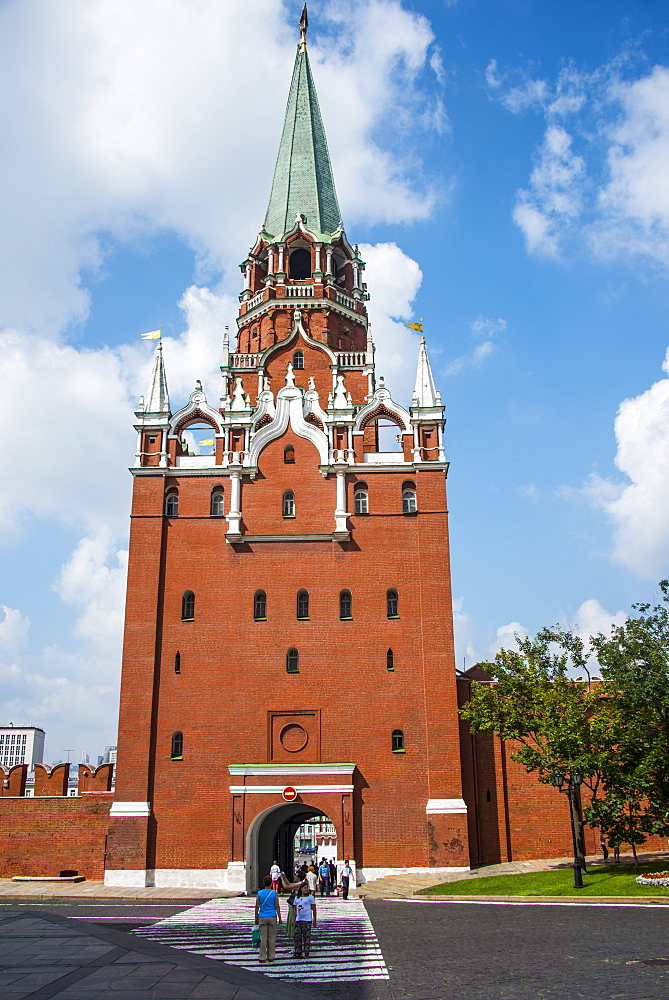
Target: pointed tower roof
303 183
425 392
157 397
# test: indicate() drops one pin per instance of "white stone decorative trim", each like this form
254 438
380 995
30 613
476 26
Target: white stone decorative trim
442 806
278 789
130 809
370 874
127 878
289 410
380 398
253 770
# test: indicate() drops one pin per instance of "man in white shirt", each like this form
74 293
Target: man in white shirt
346 876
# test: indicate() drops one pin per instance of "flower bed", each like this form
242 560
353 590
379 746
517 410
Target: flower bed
654 878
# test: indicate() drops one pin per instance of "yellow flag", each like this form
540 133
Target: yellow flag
415 326
208 441
153 335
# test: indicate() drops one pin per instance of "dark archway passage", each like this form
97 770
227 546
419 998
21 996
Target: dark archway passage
271 837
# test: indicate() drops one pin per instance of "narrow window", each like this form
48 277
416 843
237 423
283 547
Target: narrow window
289 455
172 504
260 606
177 746
398 741
217 504
292 662
409 505
390 660
188 606
360 500
345 605
177 663
300 263
303 605
289 504
392 604
298 360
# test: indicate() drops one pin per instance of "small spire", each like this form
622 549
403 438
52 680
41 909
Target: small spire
304 24
157 396
425 392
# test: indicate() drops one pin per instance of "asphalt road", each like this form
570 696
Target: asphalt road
460 951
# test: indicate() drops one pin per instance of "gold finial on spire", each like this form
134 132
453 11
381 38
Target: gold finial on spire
304 24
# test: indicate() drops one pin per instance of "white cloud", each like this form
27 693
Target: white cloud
554 195
505 638
591 619
634 204
612 196
97 589
485 330
14 629
127 118
465 650
638 506
394 280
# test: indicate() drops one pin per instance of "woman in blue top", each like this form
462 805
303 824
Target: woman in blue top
268 914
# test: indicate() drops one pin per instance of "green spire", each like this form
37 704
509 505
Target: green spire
303 182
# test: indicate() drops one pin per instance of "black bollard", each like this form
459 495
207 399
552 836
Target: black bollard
578 876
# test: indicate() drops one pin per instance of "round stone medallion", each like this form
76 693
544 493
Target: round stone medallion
293 738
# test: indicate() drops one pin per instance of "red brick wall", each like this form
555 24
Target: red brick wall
44 836
233 669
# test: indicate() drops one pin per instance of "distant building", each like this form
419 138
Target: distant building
109 756
21 745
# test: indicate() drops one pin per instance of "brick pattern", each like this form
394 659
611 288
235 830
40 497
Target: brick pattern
44 836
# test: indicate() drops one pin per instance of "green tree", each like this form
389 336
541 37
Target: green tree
562 726
615 733
634 661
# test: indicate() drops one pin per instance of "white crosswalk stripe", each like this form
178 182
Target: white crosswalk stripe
343 946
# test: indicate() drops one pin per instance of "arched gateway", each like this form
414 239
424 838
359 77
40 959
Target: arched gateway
315 631
271 837
269 804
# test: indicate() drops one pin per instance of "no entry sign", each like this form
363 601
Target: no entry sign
289 794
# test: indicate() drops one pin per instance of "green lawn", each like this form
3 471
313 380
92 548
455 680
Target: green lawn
612 880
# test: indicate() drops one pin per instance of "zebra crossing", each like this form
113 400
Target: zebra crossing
343 946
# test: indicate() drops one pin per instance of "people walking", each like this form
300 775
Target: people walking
275 875
346 876
602 844
267 916
333 875
312 879
305 919
324 877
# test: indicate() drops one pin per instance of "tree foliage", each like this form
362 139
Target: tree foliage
615 733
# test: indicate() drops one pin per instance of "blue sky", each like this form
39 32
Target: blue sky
504 165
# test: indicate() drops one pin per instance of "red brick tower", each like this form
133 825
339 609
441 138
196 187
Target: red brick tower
289 644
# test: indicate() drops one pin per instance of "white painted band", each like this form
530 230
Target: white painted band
278 789
130 809
439 806
290 769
